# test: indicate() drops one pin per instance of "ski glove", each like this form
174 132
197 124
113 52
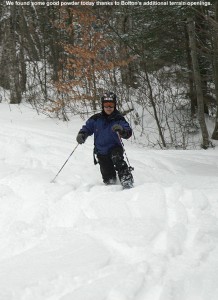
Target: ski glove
118 128
122 132
81 137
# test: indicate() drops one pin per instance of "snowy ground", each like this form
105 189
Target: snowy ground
77 239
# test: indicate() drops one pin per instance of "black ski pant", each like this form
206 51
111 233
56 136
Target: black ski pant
111 163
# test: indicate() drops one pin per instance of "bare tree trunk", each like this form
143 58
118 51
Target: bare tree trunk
192 94
23 73
124 27
15 90
153 104
197 79
215 132
201 29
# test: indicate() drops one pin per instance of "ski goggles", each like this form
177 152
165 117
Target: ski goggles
108 104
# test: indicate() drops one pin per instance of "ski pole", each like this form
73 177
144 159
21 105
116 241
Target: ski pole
53 180
124 151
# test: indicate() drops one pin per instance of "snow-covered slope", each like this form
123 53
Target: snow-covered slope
77 239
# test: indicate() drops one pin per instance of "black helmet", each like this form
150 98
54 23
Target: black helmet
109 97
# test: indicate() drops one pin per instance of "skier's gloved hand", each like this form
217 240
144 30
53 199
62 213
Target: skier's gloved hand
118 128
81 137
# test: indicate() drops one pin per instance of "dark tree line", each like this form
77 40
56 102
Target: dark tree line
161 60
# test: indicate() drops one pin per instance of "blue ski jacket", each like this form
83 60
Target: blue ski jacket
101 126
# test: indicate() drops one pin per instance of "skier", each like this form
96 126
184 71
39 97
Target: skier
109 127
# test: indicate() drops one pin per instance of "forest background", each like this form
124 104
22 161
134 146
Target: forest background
161 60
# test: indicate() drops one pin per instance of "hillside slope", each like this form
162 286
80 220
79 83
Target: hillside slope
77 239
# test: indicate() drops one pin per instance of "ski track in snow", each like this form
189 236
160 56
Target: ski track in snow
79 239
